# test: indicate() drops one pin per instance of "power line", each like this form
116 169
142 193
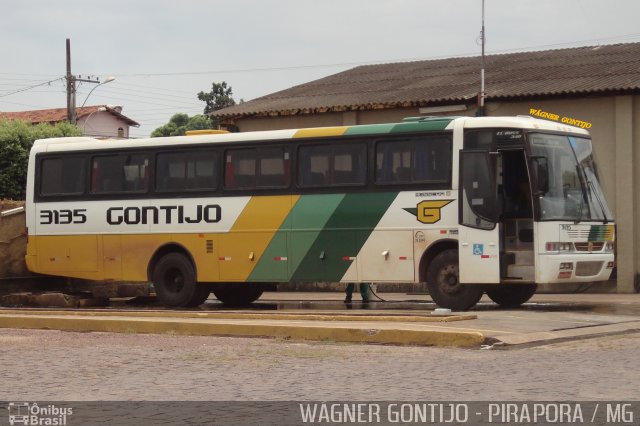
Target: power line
24 89
28 105
340 64
164 95
127 92
164 89
120 98
25 74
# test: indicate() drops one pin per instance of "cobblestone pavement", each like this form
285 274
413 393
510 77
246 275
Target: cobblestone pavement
55 365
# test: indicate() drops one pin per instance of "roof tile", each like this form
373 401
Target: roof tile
56 115
584 70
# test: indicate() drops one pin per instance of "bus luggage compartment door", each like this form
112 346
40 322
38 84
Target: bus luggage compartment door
479 238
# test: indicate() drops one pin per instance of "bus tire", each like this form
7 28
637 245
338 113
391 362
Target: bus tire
241 294
511 295
174 279
444 285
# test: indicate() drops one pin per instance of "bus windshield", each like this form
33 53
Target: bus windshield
573 190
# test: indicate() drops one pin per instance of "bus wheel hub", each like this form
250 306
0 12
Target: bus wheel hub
448 281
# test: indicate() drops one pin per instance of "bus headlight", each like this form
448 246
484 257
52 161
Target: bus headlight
610 247
559 247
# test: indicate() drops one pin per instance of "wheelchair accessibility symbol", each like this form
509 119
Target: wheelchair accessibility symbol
478 249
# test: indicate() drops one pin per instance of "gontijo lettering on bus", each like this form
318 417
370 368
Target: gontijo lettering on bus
210 213
555 117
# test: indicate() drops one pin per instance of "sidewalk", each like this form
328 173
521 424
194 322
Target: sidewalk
405 319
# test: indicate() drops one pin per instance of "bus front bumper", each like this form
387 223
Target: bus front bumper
574 268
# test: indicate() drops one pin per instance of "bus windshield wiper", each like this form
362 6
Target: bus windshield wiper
592 190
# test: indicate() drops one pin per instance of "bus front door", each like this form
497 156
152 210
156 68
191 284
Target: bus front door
479 235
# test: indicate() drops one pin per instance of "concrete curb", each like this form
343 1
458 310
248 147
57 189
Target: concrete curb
524 340
395 334
290 316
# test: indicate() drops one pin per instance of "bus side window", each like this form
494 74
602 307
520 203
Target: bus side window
332 165
62 176
349 164
271 168
184 171
120 173
425 159
136 173
432 159
106 174
393 162
313 165
240 170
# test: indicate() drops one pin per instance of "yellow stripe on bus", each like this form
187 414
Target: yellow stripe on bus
250 235
321 132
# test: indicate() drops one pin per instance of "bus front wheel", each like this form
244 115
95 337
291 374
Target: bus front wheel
241 294
174 279
511 295
444 286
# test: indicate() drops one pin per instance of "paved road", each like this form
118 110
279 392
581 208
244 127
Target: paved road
54 365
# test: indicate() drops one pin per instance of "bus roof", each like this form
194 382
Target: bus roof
408 125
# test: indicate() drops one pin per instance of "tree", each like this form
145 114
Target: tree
16 139
180 123
220 96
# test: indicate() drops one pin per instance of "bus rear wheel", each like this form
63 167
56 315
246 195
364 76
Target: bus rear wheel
511 295
174 279
241 294
444 285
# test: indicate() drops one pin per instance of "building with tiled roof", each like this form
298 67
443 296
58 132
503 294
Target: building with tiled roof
550 74
99 120
595 85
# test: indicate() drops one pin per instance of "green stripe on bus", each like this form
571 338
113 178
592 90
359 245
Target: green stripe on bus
299 230
601 233
370 129
421 126
346 231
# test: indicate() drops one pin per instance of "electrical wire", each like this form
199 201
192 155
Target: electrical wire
24 89
373 62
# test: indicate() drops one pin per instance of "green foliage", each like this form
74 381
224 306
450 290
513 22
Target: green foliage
16 138
220 96
180 123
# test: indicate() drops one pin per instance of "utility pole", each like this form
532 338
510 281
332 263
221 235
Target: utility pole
481 95
71 87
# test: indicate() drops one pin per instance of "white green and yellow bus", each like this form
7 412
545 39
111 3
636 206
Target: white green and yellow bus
466 204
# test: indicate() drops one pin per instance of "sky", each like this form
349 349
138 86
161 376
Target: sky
163 52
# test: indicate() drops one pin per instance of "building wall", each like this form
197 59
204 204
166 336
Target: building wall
102 124
615 131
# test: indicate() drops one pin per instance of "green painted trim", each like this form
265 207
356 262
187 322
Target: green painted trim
304 223
600 233
371 129
343 236
422 126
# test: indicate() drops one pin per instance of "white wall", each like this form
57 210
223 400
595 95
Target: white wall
102 124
